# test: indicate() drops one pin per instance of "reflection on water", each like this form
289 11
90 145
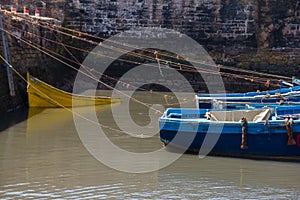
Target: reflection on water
43 158
10 118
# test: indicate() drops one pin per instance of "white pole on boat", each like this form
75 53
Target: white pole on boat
197 101
7 57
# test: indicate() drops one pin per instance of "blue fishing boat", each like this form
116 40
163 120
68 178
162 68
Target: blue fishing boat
267 132
280 96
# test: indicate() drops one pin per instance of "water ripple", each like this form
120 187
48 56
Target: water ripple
175 189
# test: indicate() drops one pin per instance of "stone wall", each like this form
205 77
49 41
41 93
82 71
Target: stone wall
206 21
278 23
260 35
49 8
24 58
242 23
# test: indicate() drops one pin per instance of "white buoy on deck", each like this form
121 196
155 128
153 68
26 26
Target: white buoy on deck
13 10
37 13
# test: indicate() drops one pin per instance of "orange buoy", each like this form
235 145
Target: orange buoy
25 11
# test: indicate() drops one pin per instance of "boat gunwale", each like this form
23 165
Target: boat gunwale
67 93
256 97
207 121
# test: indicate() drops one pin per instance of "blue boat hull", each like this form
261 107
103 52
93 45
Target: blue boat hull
263 141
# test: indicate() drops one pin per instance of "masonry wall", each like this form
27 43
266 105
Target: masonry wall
244 23
260 35
21 31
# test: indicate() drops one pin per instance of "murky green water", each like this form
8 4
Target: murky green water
43 158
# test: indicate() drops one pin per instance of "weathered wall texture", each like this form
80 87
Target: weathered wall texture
24 58
277 23
207 21
252 34
50 8
261 23
261 35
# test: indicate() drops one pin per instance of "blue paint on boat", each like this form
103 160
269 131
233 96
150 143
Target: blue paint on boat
252 94
279 96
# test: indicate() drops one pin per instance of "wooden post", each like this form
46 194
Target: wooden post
7 57
244 125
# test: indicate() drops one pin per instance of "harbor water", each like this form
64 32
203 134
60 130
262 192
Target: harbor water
43 157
